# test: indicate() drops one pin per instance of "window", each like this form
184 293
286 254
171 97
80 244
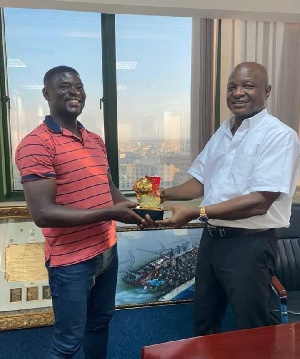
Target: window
153 66
37 40
153 77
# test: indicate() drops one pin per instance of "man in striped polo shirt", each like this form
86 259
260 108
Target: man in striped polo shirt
71 196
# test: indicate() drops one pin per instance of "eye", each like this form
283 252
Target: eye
230 88
64 87
249 86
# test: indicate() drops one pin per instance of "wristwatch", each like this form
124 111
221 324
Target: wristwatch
203 216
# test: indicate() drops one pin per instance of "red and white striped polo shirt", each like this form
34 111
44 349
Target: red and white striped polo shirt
80 169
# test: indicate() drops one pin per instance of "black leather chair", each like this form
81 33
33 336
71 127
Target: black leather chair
288 267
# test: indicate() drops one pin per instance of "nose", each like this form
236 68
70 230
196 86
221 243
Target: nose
75 90
239 91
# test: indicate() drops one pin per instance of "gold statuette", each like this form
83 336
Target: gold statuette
146 189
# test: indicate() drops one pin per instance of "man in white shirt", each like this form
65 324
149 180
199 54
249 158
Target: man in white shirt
247 175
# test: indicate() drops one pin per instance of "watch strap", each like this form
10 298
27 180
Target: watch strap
203 216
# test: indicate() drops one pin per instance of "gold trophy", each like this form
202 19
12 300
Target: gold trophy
146 189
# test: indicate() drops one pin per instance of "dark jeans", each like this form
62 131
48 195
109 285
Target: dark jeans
237 271
83 297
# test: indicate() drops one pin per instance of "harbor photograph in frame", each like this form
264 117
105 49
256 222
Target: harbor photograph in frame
157 265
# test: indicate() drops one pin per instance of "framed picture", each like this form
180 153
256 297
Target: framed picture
156 266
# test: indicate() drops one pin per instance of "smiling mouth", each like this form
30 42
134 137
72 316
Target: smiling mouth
74 102
239 102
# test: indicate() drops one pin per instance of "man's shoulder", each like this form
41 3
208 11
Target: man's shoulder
221 130
273 132
274 124
39 134
39 130
35 142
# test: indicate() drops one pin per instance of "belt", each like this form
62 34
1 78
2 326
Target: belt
227 232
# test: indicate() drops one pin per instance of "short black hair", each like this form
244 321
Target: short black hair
57 70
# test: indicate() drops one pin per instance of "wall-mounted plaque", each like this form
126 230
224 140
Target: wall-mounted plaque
16 295
32 293
46 292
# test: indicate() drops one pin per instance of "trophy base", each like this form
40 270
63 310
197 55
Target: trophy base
155 214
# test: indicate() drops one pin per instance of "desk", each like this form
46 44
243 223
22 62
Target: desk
274 342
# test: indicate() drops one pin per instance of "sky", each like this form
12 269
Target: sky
153 64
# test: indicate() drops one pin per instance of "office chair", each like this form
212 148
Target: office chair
288 269
281 296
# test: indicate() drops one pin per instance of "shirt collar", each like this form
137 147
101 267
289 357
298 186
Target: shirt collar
248 123
54 127
253 121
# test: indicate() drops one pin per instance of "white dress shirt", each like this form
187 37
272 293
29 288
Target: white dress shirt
263 155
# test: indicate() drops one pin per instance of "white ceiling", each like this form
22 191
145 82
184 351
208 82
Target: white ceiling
268 10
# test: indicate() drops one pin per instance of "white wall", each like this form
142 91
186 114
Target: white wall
273 10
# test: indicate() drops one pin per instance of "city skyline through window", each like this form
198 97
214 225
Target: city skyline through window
153 98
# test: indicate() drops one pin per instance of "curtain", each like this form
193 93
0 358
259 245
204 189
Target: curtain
202 83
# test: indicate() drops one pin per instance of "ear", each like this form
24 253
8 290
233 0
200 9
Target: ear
268 91
45 93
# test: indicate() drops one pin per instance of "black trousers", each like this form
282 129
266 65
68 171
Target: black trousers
235 270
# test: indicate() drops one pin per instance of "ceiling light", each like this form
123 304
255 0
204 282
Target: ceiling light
33 87
15 63
126 65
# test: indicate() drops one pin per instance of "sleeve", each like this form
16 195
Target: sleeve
35 159
277 167
197 168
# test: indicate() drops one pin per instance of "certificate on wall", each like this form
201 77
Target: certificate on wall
25 262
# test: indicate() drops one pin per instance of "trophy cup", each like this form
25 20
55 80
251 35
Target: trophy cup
146 189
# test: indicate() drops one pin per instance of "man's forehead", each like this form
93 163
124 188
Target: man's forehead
246 74
65 76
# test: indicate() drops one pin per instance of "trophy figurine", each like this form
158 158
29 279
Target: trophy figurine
146 189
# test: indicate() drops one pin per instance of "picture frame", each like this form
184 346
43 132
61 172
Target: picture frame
155 268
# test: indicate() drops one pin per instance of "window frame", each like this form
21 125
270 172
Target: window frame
110 105
6 188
